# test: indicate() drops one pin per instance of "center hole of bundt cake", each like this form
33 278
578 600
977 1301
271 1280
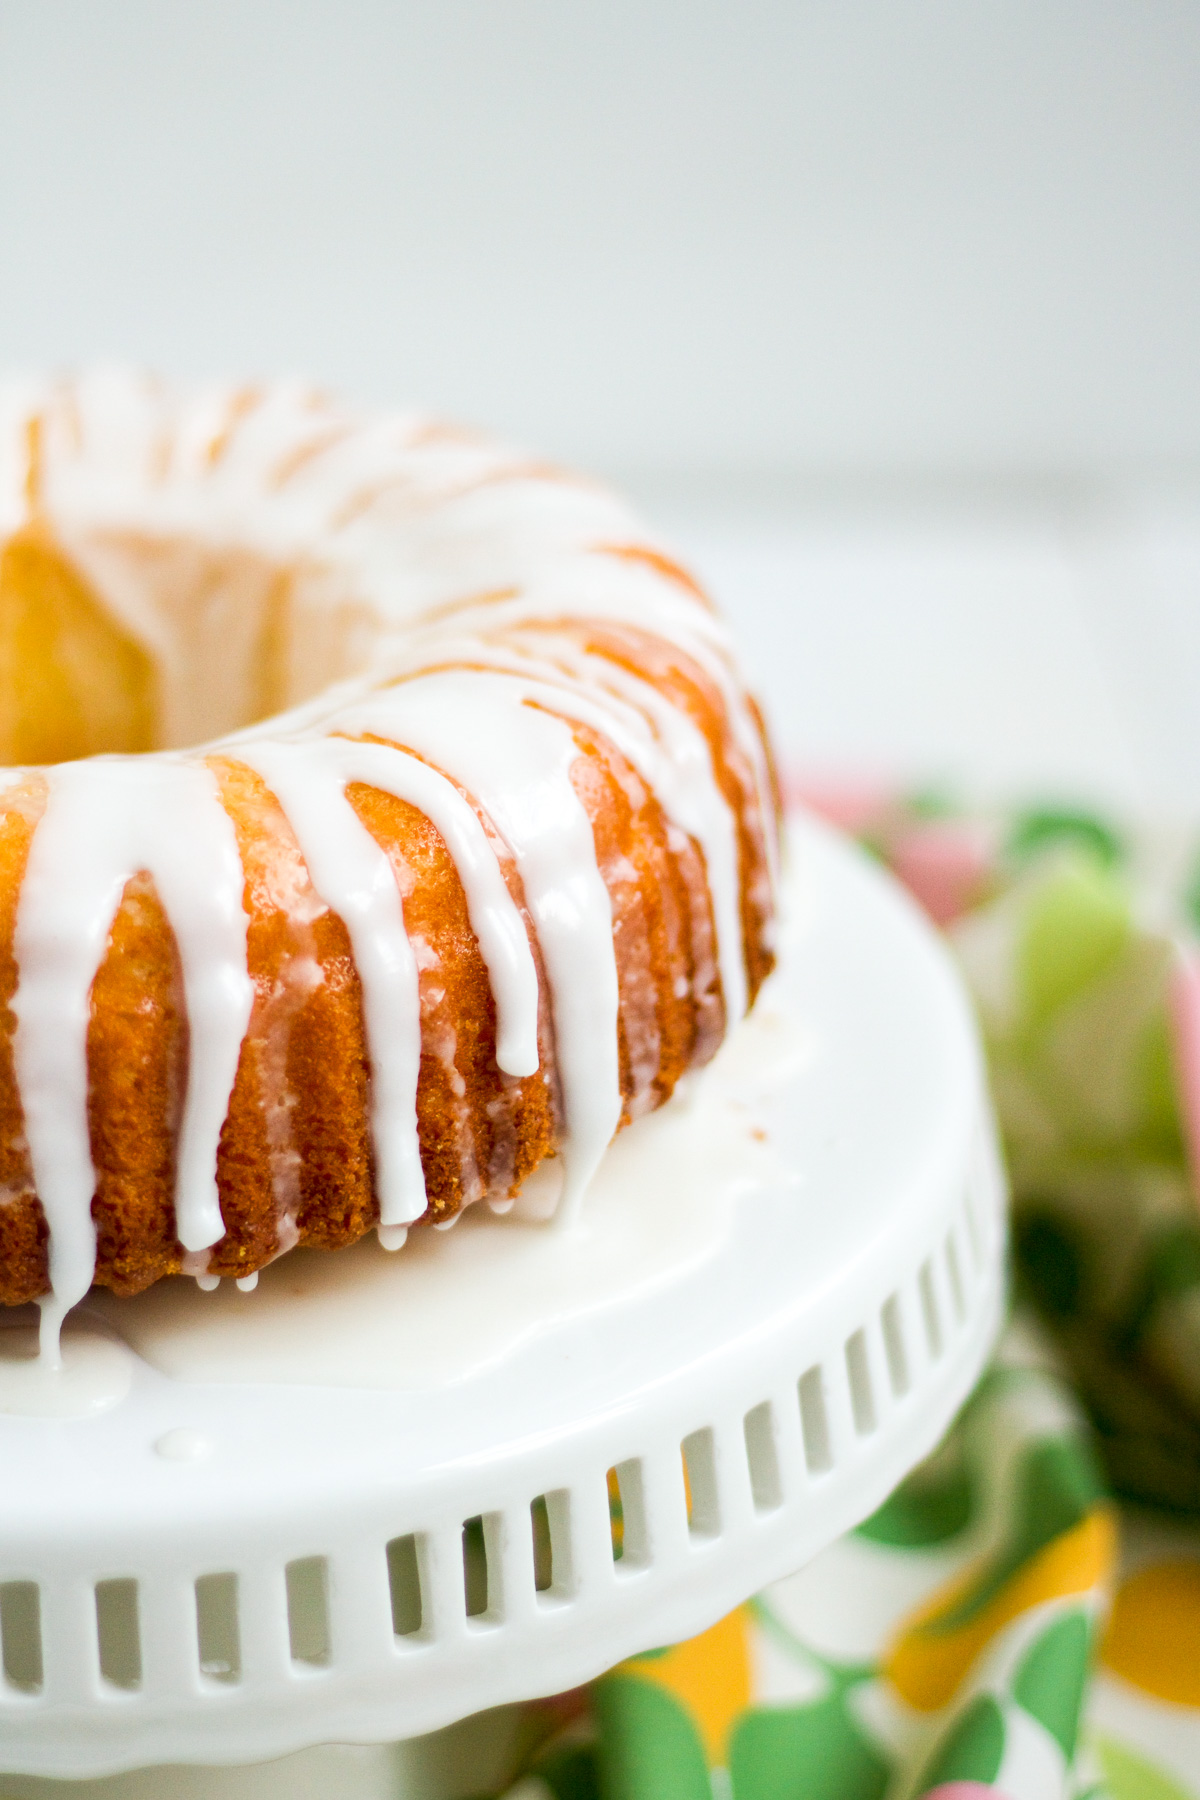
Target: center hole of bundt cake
72 681
191 643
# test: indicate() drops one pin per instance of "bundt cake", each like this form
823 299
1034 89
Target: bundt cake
385 816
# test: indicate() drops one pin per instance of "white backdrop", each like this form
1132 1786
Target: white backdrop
638 233
944 256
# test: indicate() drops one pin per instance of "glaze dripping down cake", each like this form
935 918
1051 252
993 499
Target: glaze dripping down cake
385 820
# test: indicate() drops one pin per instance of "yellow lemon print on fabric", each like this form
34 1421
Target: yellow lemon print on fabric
616 1515
709 1675
935 1649
1153 1636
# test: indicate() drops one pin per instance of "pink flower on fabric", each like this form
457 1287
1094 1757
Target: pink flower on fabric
944 864
964 1790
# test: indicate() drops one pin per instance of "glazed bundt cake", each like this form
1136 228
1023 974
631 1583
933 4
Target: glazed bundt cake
474 859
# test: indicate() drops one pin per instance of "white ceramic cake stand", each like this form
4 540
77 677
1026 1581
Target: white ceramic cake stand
305 1584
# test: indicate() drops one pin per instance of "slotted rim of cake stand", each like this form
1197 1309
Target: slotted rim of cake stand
806 1370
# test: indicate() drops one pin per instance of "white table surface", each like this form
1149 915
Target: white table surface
1028 643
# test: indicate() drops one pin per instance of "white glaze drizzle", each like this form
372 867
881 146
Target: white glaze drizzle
353 875
662 743
605 588
107 820
383 530
517 762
